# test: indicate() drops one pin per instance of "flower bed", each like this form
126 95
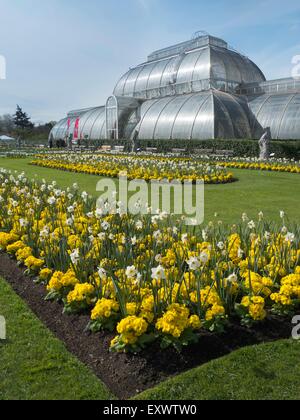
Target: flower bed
142 277
137 167
213 170
273 165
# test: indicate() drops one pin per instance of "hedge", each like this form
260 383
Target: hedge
289 149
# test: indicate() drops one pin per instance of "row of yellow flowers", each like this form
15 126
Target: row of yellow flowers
136 167
262 166
146 277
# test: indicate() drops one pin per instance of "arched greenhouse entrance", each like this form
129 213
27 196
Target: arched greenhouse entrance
117 110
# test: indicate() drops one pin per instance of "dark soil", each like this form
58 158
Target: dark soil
126 374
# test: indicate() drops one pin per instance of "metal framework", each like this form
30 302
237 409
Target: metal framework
198 89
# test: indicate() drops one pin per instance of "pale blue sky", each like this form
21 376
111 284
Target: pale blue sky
66 54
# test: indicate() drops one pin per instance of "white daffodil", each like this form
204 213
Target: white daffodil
251 225
290 237
51 201
204 235
131 272
157 235
232 278
105 225
203 258
245 217
138 280
193 263
84 196
23 223
44 233
158 273
221 245
70 221
240 253
75 257
98 213
184 238
102 273
261 215
102 236
139 225
158 258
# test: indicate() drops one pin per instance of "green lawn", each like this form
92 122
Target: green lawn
265 372
34 365
256 191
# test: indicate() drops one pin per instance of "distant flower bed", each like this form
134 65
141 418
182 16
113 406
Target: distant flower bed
273 165
20 153
136 167
145 277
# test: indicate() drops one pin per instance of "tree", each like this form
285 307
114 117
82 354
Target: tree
22 120
7 124
22 123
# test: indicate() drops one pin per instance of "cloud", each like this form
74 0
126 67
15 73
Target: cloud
144 4
263 12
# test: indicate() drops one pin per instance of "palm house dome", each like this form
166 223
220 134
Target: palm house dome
200 89
203 63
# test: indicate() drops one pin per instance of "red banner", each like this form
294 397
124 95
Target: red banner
76 129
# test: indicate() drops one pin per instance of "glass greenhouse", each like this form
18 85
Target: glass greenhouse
199 89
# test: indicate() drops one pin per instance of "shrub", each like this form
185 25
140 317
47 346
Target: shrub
289 149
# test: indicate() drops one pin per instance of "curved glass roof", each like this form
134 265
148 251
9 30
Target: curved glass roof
91 125
203 115
280 112
190 70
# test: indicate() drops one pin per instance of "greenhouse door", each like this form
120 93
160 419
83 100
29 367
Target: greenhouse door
112 120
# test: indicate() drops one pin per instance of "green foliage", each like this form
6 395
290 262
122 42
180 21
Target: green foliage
20 125
108 324
7 124
188 337
289 149
143 342
22 120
